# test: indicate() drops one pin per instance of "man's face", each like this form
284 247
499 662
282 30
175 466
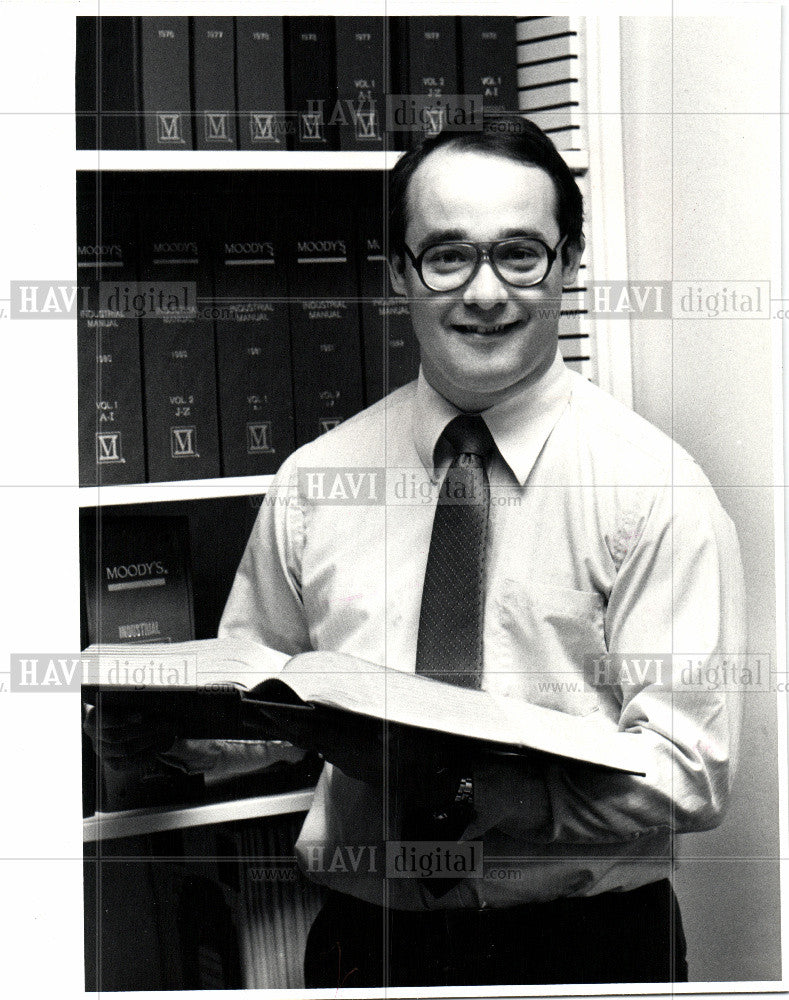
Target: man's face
480 343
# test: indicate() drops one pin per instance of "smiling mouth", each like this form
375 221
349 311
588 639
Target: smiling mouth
486 330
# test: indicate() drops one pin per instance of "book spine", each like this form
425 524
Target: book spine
166 90
260 70
86 85
432 69
362 82
119 119
214 70
327 374
312 82
397 28
179 365
111 444
137 588
488 61
137 578
390 349
252 333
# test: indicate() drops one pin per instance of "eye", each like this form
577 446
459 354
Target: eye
521 251
448 256
521 254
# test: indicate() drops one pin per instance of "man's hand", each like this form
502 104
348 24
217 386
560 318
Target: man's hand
509 789
128 741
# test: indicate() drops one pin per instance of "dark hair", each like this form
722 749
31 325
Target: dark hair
507 135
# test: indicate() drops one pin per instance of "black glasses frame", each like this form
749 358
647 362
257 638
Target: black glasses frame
484 252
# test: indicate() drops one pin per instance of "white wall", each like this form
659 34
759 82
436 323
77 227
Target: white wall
700 132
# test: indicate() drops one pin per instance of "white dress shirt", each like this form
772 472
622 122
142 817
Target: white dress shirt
605 539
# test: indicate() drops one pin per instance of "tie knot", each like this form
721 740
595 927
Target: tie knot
468 434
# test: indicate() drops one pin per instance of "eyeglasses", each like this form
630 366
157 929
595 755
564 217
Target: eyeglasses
445 267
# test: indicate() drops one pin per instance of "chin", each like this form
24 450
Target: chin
483 386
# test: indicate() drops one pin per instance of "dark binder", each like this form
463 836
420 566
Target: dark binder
136 578
390 349
488 61
107 79
111 445
321 261
166 89
179 367
312 82
362 81
86 83
213 45
252 328
425 53
260 72
136 589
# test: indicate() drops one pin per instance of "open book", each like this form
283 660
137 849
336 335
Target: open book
236 688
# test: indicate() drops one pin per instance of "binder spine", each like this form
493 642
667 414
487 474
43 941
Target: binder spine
312 82
252 333
179 365
213 46
166 87
260 72
111 444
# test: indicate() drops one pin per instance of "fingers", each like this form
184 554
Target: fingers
123 740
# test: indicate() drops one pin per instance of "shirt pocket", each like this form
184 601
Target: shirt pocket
545 635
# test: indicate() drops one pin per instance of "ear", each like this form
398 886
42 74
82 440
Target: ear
396 264
570 269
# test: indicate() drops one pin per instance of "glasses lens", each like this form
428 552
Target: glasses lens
521 262
448 265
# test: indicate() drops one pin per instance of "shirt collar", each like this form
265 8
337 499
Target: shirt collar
520 424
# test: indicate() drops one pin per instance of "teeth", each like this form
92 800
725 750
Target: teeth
484 329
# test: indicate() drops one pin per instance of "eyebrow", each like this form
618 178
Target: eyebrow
460 236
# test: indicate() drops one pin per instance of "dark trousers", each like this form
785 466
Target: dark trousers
616 937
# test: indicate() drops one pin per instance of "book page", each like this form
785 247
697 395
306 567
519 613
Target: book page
202 663
344 682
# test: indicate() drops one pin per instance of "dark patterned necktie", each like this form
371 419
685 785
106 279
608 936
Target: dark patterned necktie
449 644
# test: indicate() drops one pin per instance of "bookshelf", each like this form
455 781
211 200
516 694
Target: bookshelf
194 489
559 85
141 822
200 159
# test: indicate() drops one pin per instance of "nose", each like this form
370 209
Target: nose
485 290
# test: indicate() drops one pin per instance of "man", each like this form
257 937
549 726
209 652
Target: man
600 536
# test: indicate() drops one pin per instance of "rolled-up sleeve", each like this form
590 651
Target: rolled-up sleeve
677 601
265 600
264 605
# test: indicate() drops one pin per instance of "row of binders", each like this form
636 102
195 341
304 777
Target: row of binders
312 83
225 318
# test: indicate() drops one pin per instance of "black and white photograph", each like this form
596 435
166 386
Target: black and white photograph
395 494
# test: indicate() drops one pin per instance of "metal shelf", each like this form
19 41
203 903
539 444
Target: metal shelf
188 489
155 159
136 822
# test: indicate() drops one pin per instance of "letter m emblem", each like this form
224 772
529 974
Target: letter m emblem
366 124
168 126
434 120
259 438
182 442
261 127
311 127
216 126
108 447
